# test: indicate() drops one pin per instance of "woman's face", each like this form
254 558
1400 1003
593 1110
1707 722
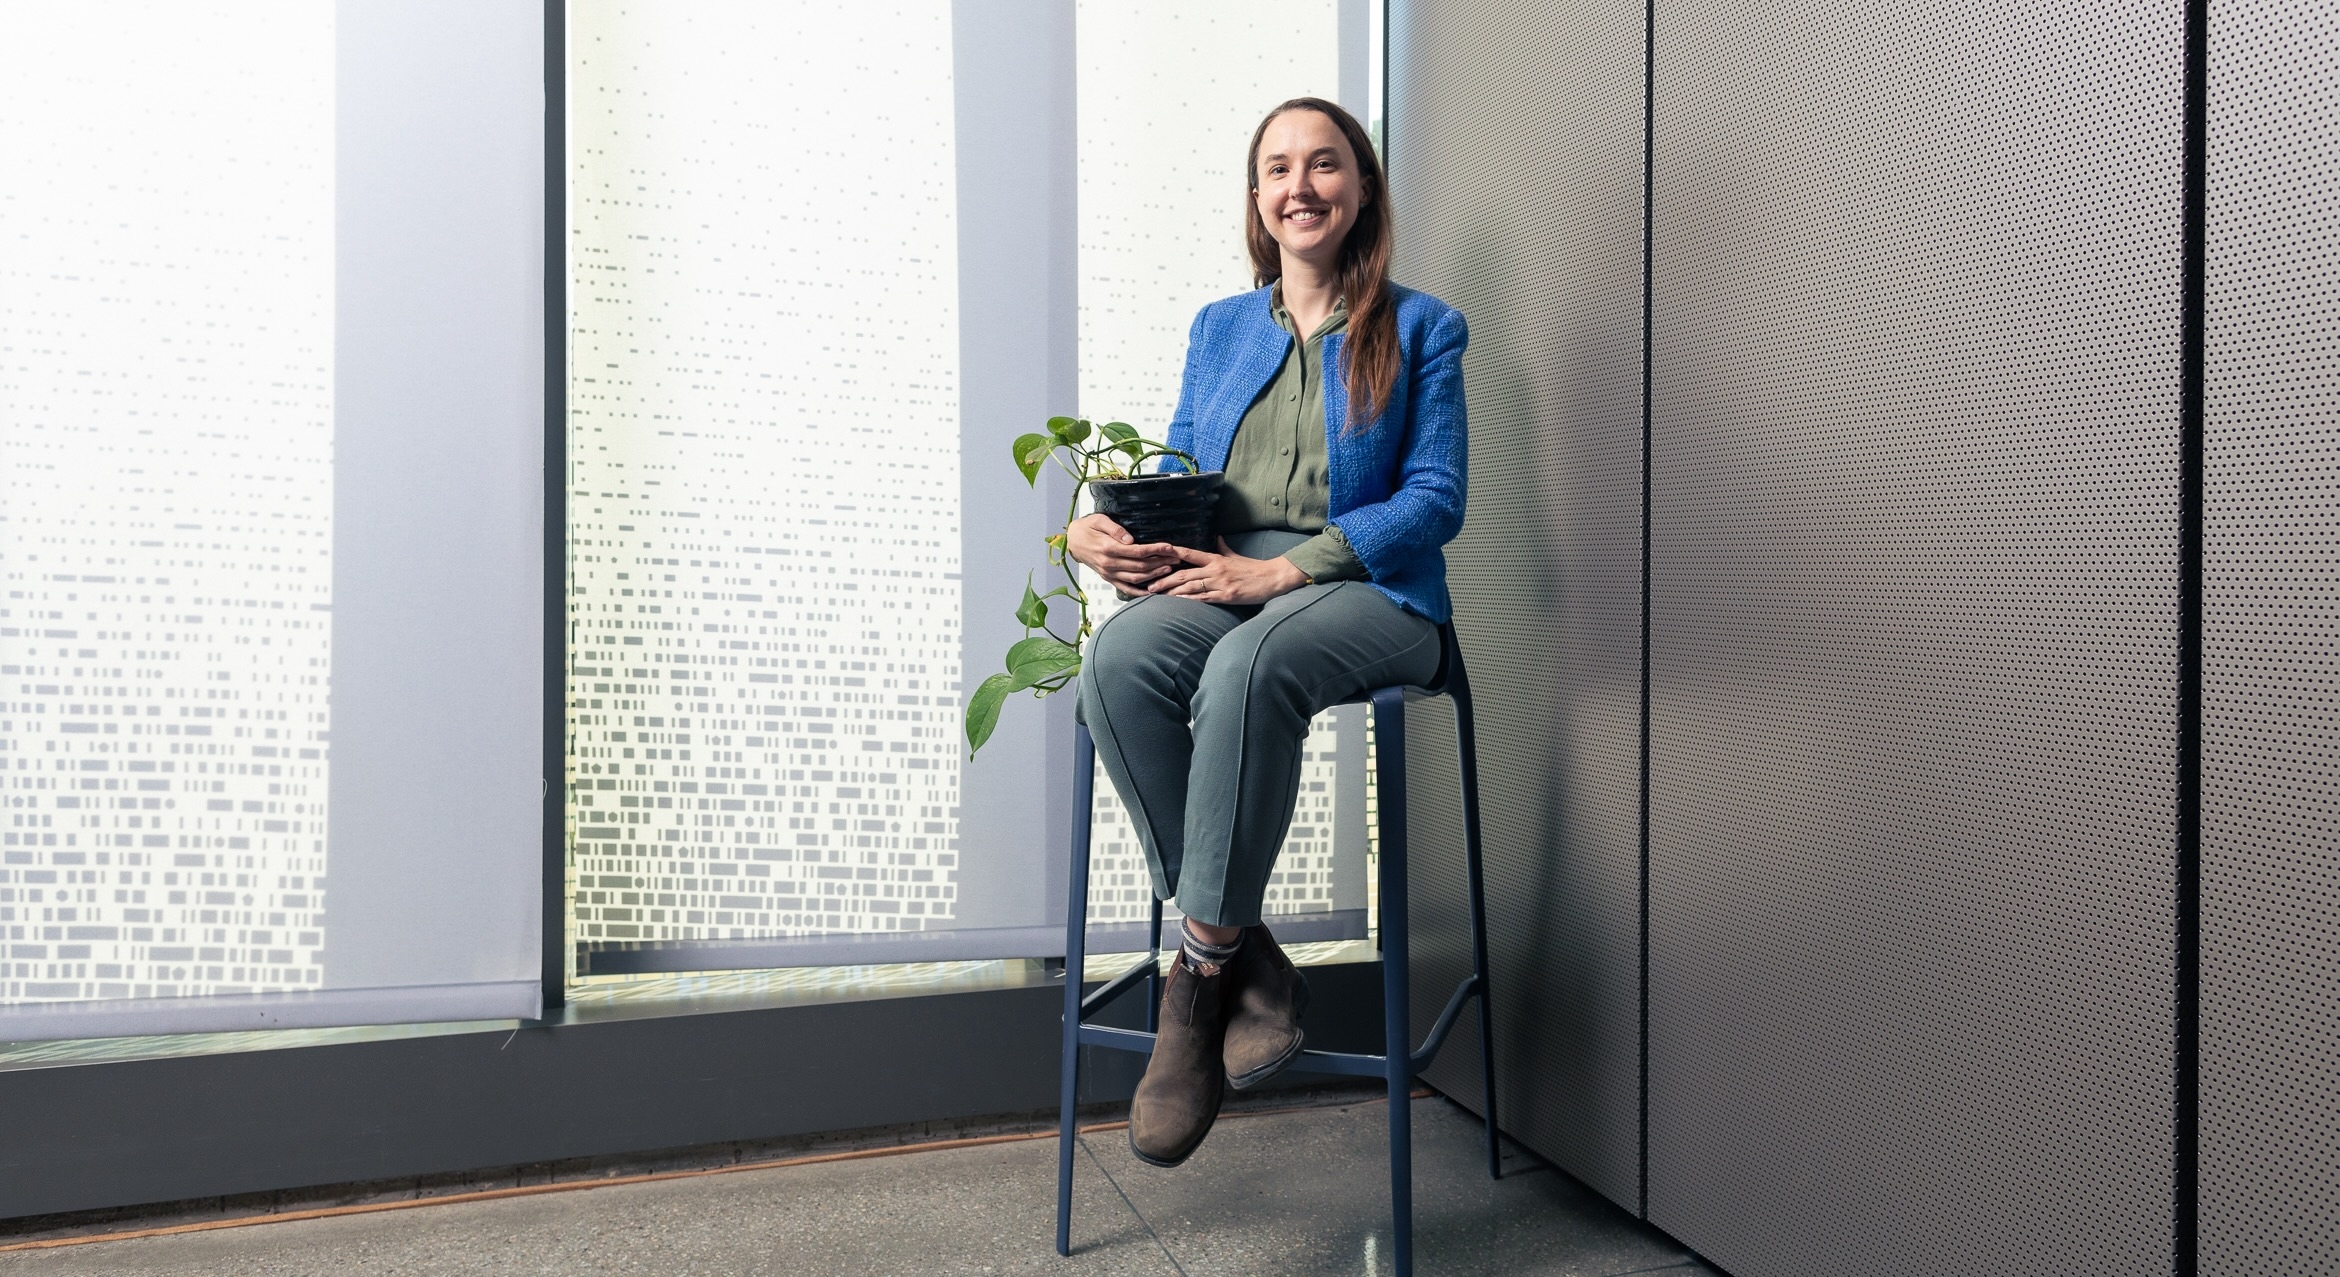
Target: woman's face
1306 186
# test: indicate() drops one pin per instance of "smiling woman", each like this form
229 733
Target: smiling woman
1332 400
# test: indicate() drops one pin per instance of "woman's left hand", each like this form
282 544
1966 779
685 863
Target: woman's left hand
1228 577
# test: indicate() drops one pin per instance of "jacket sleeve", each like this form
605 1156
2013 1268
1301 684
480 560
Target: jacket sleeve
1181 432
1426 509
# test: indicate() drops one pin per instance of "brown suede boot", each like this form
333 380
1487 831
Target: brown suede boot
1184 1082
1265 996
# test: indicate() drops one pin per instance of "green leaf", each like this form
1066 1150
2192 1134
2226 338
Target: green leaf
983 709
1068 429
1040 658
1120 432
1032 613
1030 452
1046 679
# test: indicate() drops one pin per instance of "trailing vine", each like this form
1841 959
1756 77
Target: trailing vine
1046 662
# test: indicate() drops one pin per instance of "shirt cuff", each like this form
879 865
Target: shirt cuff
1327 557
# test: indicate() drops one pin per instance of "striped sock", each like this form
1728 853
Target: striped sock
1203 957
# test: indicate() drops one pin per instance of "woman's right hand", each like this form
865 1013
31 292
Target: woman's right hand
1111 552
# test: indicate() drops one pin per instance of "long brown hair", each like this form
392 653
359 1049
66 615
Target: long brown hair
1372 369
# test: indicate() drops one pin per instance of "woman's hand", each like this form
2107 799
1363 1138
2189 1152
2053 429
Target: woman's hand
1228 577
1111 552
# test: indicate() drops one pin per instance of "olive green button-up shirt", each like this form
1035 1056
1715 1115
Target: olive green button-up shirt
1277 465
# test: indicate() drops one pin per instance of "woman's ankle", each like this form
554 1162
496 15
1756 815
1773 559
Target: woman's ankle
1214 935
1204 955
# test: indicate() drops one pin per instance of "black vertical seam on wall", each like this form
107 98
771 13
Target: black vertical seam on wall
1648 239
2192 356
554 972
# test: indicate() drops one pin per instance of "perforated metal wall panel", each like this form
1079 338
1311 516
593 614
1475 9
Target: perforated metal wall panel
1914 573
1516 147
2270 1196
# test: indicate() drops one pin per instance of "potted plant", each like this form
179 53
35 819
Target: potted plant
1173 506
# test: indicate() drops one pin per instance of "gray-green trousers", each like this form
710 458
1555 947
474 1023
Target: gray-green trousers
1199 712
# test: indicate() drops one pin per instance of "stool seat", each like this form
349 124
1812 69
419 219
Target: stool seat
1400 1060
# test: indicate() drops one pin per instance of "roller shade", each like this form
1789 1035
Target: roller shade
270 690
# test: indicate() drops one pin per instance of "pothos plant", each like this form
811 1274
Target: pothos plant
1043 661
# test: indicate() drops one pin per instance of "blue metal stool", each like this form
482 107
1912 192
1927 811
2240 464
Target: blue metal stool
1399 1062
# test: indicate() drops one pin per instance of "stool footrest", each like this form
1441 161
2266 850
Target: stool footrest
1117 1039
1308 1061
1121 984
1463 993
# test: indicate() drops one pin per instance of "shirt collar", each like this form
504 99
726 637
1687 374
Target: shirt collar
1333 323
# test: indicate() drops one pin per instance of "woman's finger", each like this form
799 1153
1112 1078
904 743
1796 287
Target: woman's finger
1120 559
1105 524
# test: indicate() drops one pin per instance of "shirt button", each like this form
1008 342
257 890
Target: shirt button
1275 501
1283 452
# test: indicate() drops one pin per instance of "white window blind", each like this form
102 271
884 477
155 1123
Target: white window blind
269 435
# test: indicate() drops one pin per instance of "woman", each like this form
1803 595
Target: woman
1333 400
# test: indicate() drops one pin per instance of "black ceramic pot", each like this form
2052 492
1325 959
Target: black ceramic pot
1176 508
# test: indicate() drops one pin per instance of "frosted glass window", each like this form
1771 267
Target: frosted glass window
765 480
168 631
181 530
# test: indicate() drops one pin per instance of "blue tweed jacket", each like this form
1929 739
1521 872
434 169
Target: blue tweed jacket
1398 481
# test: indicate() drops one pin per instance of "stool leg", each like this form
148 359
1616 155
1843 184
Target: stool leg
1076 928
1389 722
1154 971
1467 740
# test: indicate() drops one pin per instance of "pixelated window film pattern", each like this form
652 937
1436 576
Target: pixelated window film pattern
166 497
764 476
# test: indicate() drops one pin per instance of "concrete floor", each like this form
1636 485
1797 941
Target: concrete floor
1291 1192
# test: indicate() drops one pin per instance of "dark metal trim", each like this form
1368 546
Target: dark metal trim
630 957
556 506
2192 359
